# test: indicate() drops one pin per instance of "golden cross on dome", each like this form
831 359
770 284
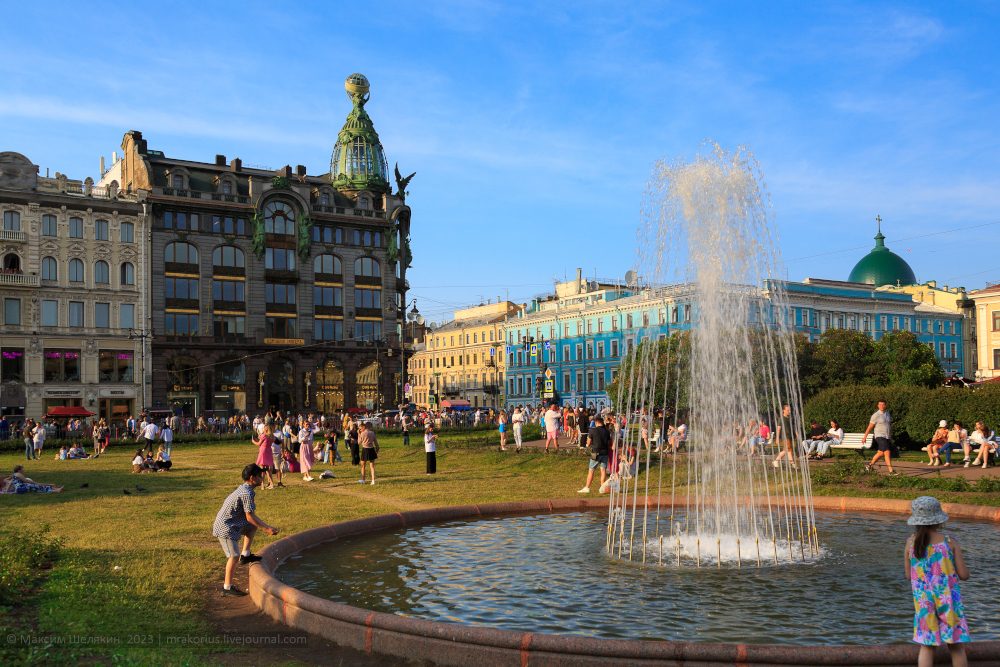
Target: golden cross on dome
878 218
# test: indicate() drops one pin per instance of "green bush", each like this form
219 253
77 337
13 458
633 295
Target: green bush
22 554
915 411
853 472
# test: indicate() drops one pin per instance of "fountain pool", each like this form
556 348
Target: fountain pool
550 573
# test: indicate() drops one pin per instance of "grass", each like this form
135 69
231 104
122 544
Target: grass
140 564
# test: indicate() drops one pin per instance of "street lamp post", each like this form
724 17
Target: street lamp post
142 337
412 316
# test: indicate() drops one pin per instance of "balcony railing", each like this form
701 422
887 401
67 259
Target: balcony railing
19 280
10 235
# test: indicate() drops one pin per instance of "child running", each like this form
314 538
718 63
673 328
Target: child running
934 564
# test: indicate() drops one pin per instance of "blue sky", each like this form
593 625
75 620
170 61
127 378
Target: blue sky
534 127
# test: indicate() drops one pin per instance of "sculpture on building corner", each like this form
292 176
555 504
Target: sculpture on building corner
401 184
304 241
259 238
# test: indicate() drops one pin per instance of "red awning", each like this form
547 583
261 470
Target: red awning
68 412
356 410
455 403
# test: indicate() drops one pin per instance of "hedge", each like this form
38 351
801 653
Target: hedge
852 472
54 444
915 411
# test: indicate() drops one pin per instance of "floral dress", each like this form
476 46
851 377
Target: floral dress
937 601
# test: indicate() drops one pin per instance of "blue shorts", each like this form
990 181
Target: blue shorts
601 462
501 428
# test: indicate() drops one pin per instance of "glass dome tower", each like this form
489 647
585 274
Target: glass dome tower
358 161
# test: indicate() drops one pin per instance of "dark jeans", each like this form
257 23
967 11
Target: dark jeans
948 448
406 438
29 449
432 464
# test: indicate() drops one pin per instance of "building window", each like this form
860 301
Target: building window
101 230
181 324
328 296
102 274
49 227
126 316
229 325
600 349
228 257
687 313
329 329
50 269
115 366
227 188
327 265
996 359
102 315
579 351
76 271
76 314
76 228
645 318
180 253
941 351
12 365
600 381
127 233
579 382
279 218
279 294
954 351
62 366
590 350
628 321
12 221
369 331
590 382
366 266
227 225
228 290
180 288
50 313
178 182
183 221
12 311
614 348
127 274
279 259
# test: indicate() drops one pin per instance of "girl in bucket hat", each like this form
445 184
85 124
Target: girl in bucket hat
934 564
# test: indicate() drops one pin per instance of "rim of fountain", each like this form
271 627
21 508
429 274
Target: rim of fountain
453 644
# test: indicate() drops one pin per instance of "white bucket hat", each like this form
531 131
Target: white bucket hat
943 424
926 511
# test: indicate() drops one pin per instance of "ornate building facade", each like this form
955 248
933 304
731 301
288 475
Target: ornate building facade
274 289
72 285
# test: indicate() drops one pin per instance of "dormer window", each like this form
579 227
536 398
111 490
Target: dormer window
227 188
324 199
363 203
179 182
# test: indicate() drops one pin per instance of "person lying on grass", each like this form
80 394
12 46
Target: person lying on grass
238 518
18 483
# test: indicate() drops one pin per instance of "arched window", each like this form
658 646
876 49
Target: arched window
12 262
230 371
366 266
75 271
182 371
279 218
181 253
228 256
50 269
101 272
128 274
327 264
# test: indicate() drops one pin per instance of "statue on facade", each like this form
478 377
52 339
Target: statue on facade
401 184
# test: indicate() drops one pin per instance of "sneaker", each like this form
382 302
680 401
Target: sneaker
246 560
361 481
233 592
280 485
966 463
307 479
585 489
373 482
775 464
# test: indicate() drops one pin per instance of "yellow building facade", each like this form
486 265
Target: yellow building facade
956 300
987 305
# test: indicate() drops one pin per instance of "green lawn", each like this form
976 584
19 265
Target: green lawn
142 564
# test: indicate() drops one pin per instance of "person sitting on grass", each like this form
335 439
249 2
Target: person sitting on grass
139 462
62 454
21 484
163 461
77 452
238 518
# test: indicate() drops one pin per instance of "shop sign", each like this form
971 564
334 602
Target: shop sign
228 387
182 387
63 392
124 392
284 341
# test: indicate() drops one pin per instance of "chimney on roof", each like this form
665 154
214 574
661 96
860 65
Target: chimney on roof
285 171
236 165
300 170
220 160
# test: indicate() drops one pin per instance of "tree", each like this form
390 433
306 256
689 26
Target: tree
904 360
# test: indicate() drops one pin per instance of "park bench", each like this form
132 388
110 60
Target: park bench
853 441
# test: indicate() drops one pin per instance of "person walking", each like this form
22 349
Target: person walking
306 458
351 435
551 420
265 454
502 421
369 451
167 436
237 518
29 440
149 433
404 425
599 440
784 437
934 563
517 422
39 434
881 422
430 448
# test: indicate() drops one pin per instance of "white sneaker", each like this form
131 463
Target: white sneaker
373 482
775 464
585 489
966 463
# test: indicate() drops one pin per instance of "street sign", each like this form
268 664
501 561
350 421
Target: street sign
550 394
493 351
549 388
548 373
547 344
406 388
509 349
534 351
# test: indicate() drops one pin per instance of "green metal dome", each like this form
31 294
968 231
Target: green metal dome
358 161
882 267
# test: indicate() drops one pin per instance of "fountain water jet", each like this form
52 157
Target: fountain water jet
707 231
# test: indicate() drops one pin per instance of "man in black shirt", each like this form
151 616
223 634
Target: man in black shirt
599 439
816 436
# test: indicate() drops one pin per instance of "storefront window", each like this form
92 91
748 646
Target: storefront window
62 366
330 387
12 368
366 382
116 366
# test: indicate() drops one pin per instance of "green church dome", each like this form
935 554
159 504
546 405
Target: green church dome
358 161
882 267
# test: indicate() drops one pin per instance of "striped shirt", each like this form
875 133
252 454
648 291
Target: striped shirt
231 520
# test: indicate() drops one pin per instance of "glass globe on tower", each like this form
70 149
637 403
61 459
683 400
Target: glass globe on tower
358 161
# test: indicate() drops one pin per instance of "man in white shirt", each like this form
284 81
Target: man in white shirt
39 438
881 423
167 436
551 427
149 433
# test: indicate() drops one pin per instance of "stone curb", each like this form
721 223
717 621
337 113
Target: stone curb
451 644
